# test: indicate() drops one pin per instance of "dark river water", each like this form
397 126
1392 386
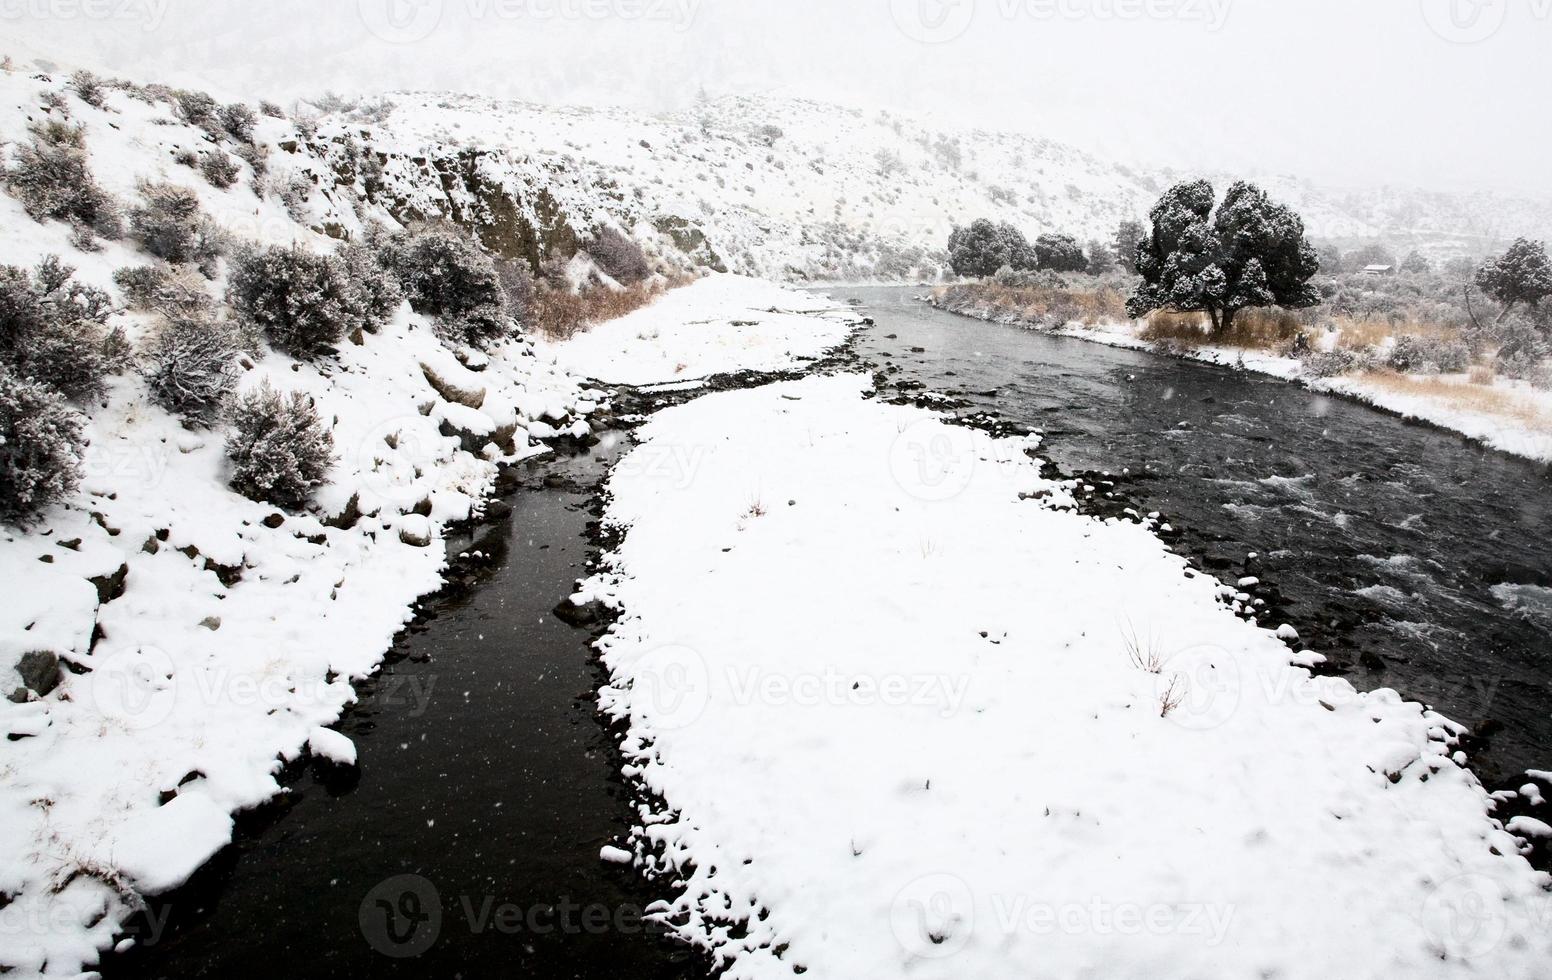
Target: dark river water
1410 557
467 843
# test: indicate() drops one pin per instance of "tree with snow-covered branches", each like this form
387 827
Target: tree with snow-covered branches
1521 275
982 247
1059 253
1250 252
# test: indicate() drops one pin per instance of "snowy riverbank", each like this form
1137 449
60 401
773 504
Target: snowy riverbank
1509 416
878 673
206 639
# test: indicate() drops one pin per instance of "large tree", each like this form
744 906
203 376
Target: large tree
1128 234
1060 253
1521 275
1250 252
983 247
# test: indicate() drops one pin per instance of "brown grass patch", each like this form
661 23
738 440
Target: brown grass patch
558 313
1469 397
1353 334
1038 305
1255 329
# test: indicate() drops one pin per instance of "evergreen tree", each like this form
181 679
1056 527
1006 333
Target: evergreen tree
1250 252
1521 275
1060 253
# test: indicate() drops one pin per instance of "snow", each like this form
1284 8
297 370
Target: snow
1529 827
333 746
894 730
158 850
716 325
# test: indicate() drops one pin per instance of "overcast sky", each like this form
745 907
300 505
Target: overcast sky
1440 93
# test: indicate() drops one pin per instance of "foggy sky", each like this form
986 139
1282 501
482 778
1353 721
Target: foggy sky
1437 93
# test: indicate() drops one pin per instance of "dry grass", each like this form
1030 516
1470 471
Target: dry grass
1146 655
1038 304
1474 396
1481 374
1251 329
1356 335
558 313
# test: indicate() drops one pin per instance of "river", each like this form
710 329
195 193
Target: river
467 844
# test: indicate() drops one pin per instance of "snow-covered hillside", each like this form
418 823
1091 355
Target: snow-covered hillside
794 189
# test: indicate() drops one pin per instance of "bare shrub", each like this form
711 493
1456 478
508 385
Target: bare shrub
88 87
279 448
52 178
40 448
52 328
190 366
618 256
219 169
169 224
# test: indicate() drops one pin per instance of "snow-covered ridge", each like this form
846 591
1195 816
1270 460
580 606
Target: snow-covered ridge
877 672
786 188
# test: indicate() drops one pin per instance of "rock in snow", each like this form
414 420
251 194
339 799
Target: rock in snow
326 743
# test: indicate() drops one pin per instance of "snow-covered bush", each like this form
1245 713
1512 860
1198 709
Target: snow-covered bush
1422 354
170 225
301 301
377 285
517 285
172 292
1521 347
52 328
198 109
50 176
272 110
40 448
1329 364
190 365
88 87
279 448
618 256
448 276
219 169
238 121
